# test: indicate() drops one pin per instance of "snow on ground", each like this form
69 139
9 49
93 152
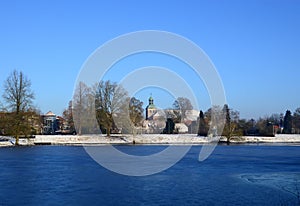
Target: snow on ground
144 139
279 138
120 139
6 144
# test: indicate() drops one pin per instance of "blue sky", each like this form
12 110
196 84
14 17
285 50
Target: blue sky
254 45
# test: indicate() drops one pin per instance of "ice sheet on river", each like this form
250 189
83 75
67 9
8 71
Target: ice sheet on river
287 182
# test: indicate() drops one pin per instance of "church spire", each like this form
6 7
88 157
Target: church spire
151 100
150 109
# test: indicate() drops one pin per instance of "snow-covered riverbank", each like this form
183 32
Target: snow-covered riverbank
279 138
143 139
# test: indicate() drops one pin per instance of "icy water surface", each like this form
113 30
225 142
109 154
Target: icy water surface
232 175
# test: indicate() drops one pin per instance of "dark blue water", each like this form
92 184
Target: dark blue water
232 175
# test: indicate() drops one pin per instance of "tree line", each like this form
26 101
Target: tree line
116 112
288 123
110 103
111 100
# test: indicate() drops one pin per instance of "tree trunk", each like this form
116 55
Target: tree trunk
79 130
17 140
108 131
228 140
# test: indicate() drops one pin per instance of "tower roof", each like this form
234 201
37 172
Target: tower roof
49 114
151 104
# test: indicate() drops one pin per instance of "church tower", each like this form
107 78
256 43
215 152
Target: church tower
150 109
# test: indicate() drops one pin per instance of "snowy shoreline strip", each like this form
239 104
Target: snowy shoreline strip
150 139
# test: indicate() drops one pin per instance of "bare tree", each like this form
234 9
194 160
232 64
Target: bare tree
17 92
80 108
181 105
19 97
136 111
68 116
110 101
1 107
214 119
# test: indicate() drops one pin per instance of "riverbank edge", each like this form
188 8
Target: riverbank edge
146 139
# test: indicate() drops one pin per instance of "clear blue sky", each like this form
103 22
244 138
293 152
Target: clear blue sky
254 44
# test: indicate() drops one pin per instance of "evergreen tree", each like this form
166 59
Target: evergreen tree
296 120
227 126
170 126
287 122
231 127
202 129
